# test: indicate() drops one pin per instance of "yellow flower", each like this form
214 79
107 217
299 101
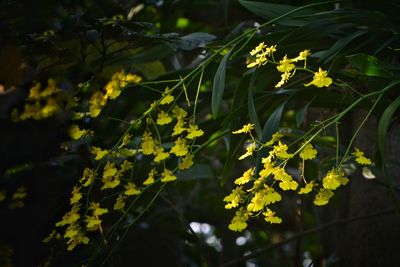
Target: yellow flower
109 170
71 232
186 162
51 236
194 132
180 148
131 189
284 78
179 127
76 237
260 53
113 89
20 193
50 108
150 179
2 195
130 79
110 176
249 151
96 102
334 179
96 209
258 49
88 177
320 79
288 185
125 140
110 182
307 188
280 151
271 195
275 137
166 97
285 65
360 158
76 195
302 56
270 217
34 92
262 198
178 112
308 152
270 50
76 133
245 129
167 176
50 89
126 166
233 198
119 203
286 181
98 152
322 197
238 222
268 167
148 144
32 111
160 154
70 217
92 222
260 60
246 177
163 118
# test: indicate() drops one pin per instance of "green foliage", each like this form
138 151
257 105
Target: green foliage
93 87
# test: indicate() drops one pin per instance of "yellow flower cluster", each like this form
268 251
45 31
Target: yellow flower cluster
41 103
115 170
360 158
255 192
112 90
77 226
74 232
185 130
16 199
262 54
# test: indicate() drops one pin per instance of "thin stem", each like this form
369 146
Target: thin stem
337 144
197 95
358 129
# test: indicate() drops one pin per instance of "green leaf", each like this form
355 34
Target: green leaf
141 56
235 118
273 122
192 41
300 115
251 107
337 47
270 11
370 66
384 123
151 70
197 171
219 86
271 126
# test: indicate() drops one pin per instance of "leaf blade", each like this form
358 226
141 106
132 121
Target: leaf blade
219 86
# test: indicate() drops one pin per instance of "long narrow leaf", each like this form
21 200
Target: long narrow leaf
251 106
384 123
219 86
